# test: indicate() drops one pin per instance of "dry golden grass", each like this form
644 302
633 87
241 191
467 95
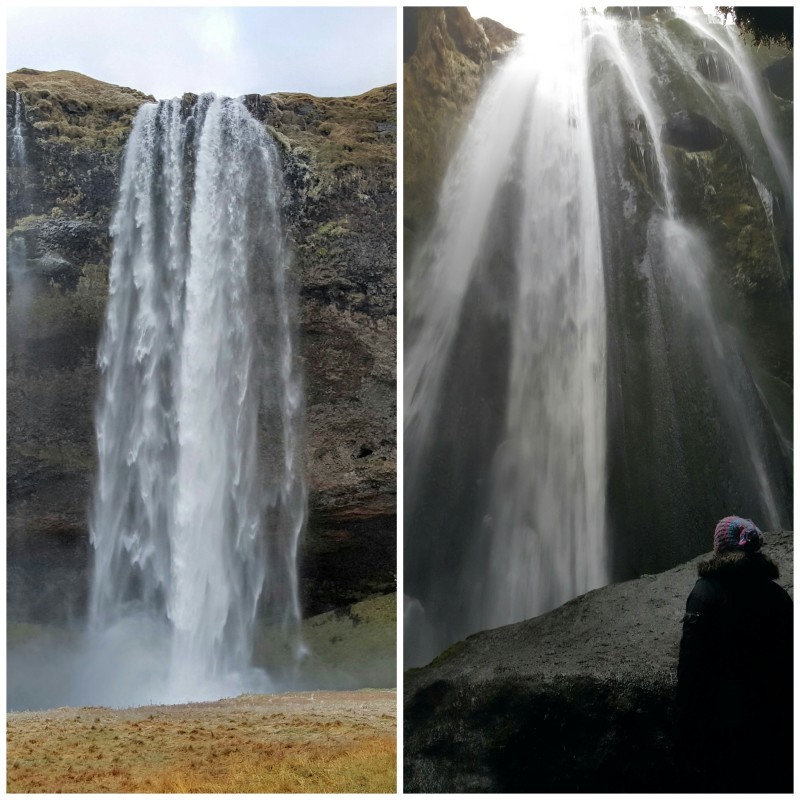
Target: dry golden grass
367 765
344 136
302 742
76 108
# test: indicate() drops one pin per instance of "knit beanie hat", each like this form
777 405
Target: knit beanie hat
735 533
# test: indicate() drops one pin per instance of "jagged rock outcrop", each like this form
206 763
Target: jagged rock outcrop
577 700
340 205
447 57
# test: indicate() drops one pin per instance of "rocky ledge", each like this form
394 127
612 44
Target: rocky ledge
577 700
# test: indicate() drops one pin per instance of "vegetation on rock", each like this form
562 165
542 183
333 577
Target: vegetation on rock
77 109
767 25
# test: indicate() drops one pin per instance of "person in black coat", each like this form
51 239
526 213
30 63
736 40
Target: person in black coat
735 670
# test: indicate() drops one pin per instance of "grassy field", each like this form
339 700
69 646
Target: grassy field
295 742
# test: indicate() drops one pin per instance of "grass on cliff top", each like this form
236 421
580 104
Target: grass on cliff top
341 132
77 108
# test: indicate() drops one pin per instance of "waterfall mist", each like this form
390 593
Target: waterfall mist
584 397
200 497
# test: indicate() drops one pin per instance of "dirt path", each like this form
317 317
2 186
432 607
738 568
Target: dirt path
295 742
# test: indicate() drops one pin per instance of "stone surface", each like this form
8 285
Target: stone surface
691 132
449 55
340 206
780 77
577 700
749 280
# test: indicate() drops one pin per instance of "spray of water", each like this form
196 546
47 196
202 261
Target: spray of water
200 499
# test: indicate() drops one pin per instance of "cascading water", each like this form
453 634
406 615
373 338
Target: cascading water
582 400
686 367
505 375
200 499
17 249
18 156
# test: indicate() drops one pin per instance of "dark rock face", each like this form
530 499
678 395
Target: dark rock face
691 132
715 192
780 77
577 700
501 39
715 67
340 206
443 74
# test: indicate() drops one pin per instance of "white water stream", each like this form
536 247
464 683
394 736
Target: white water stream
200 499
545 514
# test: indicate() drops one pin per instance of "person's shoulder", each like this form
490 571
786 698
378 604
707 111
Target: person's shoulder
738 565
705 592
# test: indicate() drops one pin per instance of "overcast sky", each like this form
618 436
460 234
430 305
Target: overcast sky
231 51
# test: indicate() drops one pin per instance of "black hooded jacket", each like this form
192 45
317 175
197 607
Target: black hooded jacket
735 677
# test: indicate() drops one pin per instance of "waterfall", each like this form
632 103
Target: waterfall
582 401
18 156
200 497
696 357
19 281
505 365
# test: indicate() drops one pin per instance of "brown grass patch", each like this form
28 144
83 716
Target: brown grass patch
76 108
304 742
366 766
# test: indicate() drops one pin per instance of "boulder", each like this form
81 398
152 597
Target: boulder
580 699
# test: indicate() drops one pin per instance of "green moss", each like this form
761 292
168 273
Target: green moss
451 651
333 228
21 632
25 223
355 645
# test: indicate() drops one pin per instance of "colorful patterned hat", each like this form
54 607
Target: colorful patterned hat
736 533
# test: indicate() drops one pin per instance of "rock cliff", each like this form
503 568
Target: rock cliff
340 206
447 57
577 700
